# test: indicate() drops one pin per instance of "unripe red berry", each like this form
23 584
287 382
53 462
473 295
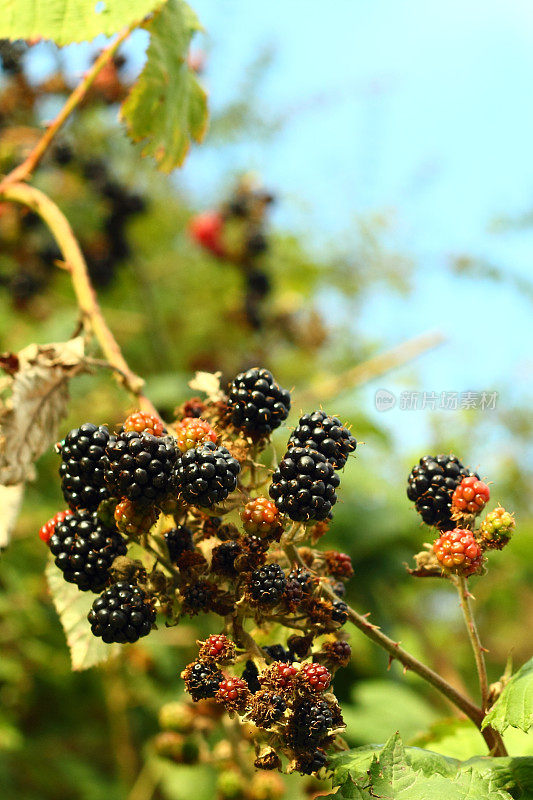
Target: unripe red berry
141 422
206 230
457 551
261 517
316 676
48 528
234 694
218 648
193 431
471 496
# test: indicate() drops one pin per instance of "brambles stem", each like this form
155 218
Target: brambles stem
92 316
473 634
23 171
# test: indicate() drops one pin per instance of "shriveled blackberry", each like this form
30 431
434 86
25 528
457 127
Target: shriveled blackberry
258 404
267 707
303 486
178 541
123 613
207 474
431 485
223 558
293 595
251 676
140 466
198 596
202 680
82 465
85 549
310 723
325 434
267 584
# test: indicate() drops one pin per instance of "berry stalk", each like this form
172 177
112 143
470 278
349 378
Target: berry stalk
473 634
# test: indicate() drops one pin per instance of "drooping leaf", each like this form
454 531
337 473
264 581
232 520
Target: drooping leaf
506 773
36 402
167 107
514 706
360 758
10 502
63 21
73 606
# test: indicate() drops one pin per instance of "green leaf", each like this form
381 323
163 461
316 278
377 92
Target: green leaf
73 606
360 758
64 21
392 776
514 706
506 773
167 107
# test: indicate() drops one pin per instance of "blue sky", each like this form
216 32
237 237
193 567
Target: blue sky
419 108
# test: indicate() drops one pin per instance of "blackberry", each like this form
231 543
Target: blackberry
267 707
431 485
258 404
303 486
340 611
85 549
258 283
197 597
139 466
267 584
207 474
202 680
326 435
256 243
223 558
179 541
278 653
310 762
82 466
339 588
304 579
310 723
123 613
251 676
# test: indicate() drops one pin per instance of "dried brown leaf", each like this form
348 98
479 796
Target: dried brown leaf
209 384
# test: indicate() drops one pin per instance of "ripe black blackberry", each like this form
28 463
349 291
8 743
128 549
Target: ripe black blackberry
82 466
310 723
304 578
326 435
207 474
308 762
123 613
140 466
258 404
431 485
340 611
197 597
278 653
250 675
303 486
179 541
202 680
85 549
267 585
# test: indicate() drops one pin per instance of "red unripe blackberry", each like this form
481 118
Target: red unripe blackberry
338 564
471 496
234 694
261 517
316 676
143 422
123 613
85 549
431 485
327 435
82 466
48 528
193 431
202 680
206 230
267 585
140 466
206 474
303 486
457 551
278 676
179 541
217 648
258 404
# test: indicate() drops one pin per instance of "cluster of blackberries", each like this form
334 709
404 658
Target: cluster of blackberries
431 485
258 404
